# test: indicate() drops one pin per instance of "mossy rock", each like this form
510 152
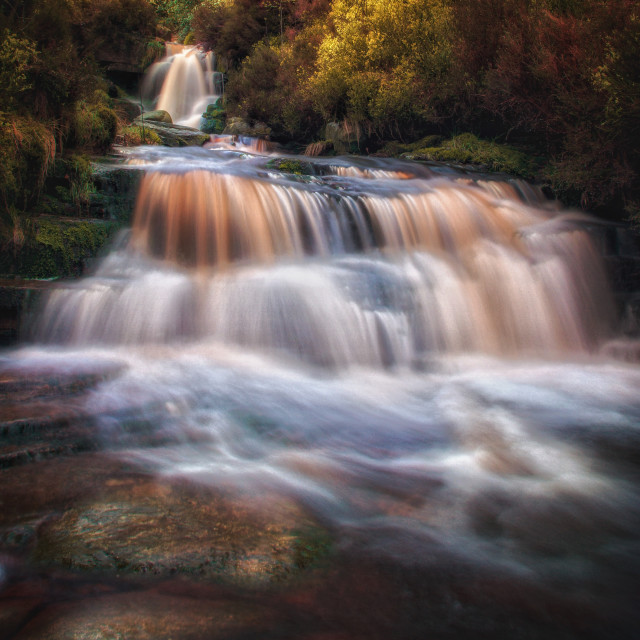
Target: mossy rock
160 115
175 135
468 149
214 118
135 135
62 247
240 127
291 165
128 110
237 127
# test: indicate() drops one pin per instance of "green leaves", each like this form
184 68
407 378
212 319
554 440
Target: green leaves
17 59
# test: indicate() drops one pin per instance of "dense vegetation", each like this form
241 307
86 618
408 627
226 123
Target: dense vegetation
557 78
542 88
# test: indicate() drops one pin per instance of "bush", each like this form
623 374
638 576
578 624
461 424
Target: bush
94 123
27 150
176 16
17 59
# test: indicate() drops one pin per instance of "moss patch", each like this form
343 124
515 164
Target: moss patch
62 247
468 149
215 118
135 135
289 165
94 123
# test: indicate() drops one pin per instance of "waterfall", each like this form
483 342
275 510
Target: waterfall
400 362
365 263
183 83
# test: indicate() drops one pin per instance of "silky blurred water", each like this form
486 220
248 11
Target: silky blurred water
438 397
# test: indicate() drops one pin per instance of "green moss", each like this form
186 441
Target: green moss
134 135
154 50
61 247
395 148
215 118
94 123
468 149
288 165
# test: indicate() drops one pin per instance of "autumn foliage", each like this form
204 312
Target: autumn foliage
557 78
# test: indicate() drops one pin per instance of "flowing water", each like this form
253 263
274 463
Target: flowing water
411 354
183 83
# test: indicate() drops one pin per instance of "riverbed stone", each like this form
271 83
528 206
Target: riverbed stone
156 527
148 616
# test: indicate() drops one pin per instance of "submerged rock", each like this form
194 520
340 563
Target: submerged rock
149 616
162 529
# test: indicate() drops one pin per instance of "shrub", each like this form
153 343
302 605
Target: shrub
27 150
17 59
94 123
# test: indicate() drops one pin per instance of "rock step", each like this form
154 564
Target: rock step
22 385
45 430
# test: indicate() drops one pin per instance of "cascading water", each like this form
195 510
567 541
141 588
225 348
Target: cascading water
371 265
183 83
410 354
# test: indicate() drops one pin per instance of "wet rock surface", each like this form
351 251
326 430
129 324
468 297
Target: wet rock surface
85 538
96 544
149 616
174 135
161 529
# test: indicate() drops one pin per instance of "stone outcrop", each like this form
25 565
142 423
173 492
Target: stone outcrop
172 135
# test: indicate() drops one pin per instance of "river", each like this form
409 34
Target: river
336 398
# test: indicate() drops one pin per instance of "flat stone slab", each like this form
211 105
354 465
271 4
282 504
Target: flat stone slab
157 527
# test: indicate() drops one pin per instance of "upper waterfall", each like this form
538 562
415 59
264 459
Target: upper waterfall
183 83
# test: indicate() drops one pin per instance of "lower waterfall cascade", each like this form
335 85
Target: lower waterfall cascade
367 398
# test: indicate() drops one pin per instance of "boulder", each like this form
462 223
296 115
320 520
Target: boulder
160 115
240 127
127 109
174 135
